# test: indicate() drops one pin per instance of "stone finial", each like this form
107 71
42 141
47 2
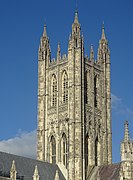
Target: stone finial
13 171
98 175
76 17
36 174
57 175
70 40
103 32
91 53
126 135
58 52
70 37
45 31
82 35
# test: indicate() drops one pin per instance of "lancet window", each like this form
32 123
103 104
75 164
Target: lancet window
95 91
54 90
86 151
53 150
64 150
64 87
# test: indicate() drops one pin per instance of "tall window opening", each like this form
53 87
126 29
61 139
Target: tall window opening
65 87
86 88
53 150
86 151
95 91
54 90
96 151
76 42
64 150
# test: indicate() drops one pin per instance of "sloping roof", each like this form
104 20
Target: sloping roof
25 167
109 172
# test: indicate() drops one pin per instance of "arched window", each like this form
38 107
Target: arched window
64 87
95 91
53 149
54 90
64 150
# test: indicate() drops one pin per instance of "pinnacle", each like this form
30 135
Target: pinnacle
13 165
91 53
45 31
70 36
103 32
76 17
36 171
58 52
57 175
58 46
126 135
91 47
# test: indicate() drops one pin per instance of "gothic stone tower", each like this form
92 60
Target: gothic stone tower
74 123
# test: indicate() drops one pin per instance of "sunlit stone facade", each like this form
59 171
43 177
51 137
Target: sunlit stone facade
74 123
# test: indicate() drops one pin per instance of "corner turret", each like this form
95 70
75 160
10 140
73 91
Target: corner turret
103 49
126 169
126 146
44 53
103 60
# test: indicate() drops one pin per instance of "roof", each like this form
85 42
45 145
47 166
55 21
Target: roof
25 167
109 172
105 172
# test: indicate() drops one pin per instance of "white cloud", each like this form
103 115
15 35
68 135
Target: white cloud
119 107
24 144
115 101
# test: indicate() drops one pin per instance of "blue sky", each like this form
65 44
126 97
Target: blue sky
21 26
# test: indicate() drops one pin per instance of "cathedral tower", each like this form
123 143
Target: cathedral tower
74 125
